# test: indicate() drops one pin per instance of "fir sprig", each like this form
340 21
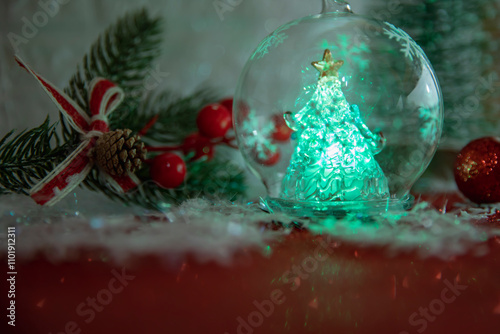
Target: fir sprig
124 54
29 156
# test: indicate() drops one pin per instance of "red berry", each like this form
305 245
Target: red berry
201 146
168 170
282 132
214 121
271 159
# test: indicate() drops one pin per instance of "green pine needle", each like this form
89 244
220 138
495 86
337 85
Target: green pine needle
124 54
29 156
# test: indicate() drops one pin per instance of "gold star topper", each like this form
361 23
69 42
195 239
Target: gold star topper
328 67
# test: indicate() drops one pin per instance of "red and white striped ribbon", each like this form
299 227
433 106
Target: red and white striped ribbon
104 98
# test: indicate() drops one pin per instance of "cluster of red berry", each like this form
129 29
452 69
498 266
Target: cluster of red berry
214 121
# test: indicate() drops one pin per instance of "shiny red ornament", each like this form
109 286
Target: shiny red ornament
168 170
477 170
282 132
201 146
214 121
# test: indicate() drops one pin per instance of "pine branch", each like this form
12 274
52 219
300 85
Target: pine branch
29 156
124 54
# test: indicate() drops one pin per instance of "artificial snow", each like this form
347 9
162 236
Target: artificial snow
218 230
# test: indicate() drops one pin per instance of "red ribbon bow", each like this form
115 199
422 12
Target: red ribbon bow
105 96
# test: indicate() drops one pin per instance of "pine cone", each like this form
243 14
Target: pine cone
116 152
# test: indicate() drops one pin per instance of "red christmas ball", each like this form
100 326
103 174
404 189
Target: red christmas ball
477 170
201 146
282 132
214 121
168 170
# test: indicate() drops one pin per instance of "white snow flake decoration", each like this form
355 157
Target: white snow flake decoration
349 51
257 137
430 116
273 40
409 47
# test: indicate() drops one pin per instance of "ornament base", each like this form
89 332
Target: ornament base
335 209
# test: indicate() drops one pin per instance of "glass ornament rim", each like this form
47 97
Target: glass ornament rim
337 208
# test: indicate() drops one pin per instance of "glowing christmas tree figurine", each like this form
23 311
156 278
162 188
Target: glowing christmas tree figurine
334 155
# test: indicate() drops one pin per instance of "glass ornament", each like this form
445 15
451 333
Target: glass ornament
364 105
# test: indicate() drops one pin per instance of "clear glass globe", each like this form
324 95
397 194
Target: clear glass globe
338 112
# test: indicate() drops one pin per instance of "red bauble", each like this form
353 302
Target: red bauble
168 170
201 146
214 121
282 132
271 159
477 170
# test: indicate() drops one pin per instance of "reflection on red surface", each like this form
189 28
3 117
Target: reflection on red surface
300 284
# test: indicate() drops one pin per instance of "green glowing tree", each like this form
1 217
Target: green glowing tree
334 155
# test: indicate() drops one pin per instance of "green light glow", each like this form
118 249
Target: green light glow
334 155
